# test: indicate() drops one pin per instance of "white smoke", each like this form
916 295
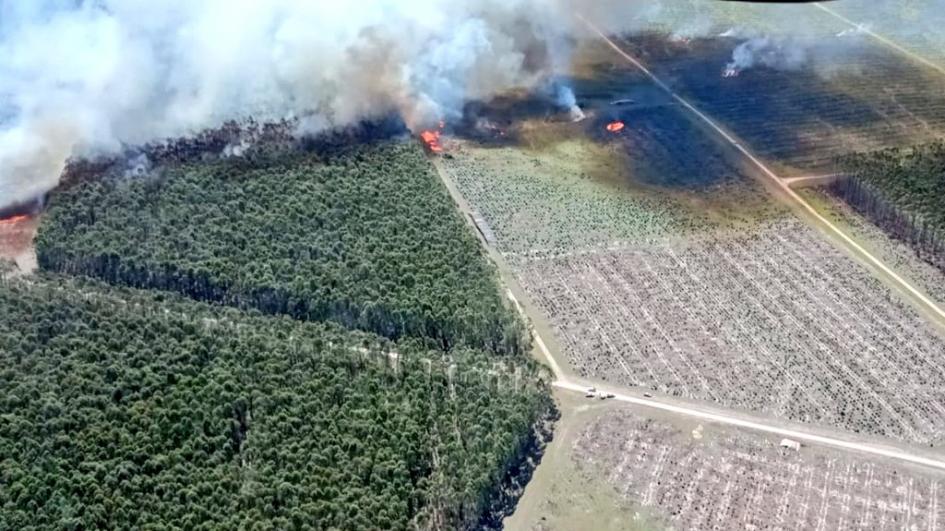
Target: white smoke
564 98
822 55
85 77
765 51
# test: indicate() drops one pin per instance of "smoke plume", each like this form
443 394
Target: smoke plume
87 77
796 53
81 78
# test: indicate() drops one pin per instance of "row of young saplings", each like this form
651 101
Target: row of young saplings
778 322
735 482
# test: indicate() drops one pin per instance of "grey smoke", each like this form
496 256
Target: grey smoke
765 51
563 97
85 77
822 55
81 78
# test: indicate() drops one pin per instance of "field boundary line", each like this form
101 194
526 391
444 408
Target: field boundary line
465 209
767 428
555 368
807 181
885 40
778 182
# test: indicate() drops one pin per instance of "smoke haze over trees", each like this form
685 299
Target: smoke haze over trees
84 77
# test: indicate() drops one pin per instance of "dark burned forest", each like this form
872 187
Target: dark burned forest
282 340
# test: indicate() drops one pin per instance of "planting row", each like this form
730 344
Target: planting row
736 481
775 320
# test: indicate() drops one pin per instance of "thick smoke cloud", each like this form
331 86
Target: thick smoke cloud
79 78
85 77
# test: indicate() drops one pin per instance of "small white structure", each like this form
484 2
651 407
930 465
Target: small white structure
793 445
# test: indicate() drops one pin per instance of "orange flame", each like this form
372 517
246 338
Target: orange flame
432 140
616 127
14 220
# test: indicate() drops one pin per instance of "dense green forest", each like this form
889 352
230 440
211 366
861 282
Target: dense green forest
126 409
902 191
913 179
365 236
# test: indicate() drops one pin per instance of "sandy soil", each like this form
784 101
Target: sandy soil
16 244
564 495
621 467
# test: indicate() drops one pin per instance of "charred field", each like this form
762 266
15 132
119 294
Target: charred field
802 119
549 185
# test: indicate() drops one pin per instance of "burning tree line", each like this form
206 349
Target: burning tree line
903 192
247 139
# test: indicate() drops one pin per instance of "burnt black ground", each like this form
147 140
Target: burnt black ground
802 119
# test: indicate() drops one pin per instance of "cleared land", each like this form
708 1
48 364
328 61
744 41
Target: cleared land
764 314
776 320
705 477
728 298
869 98
711 291
574 193
773 319
16 245
549 201
564 495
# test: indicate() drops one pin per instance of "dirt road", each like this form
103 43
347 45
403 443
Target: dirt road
927 304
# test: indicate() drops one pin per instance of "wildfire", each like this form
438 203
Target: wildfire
616 127
432 140
431 137
14 220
